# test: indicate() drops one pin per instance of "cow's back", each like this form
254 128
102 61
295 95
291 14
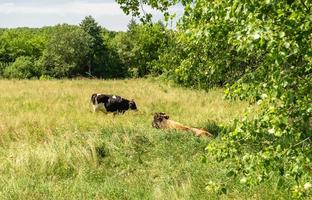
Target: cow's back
117 104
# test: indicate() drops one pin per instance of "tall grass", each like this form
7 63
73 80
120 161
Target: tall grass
53 147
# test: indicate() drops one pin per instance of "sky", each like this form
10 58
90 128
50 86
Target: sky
39 13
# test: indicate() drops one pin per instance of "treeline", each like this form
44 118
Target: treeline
87 49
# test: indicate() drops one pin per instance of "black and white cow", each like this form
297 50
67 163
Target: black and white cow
111 103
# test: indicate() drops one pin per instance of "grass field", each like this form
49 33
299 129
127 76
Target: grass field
53 147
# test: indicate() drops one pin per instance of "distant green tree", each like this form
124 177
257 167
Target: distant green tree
132 24
115 67
65 52
170 58
140 46
21 42
97 54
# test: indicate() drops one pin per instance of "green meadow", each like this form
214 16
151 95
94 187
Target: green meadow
53 147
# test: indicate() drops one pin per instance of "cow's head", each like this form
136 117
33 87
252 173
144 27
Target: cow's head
158 119
92 100
132 105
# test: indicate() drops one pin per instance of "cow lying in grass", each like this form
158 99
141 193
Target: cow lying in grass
111 103
161 120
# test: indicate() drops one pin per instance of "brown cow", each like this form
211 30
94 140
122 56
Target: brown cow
161 120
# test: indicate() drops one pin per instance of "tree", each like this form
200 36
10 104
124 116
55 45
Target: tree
115 67
136 7
141 46
27 43
65 52
21 42
96 57
132 24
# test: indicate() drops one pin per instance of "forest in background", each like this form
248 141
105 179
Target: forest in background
88 50
260 51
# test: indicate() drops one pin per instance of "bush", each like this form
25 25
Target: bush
45 77
3 65
22 68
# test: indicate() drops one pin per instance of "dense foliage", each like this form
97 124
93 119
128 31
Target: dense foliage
140 47
86 50
64 52
262 51
22 68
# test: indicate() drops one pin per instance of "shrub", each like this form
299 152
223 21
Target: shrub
22 68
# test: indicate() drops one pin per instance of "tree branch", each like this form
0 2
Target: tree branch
302 2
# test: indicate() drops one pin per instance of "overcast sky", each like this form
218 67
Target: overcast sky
38 13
